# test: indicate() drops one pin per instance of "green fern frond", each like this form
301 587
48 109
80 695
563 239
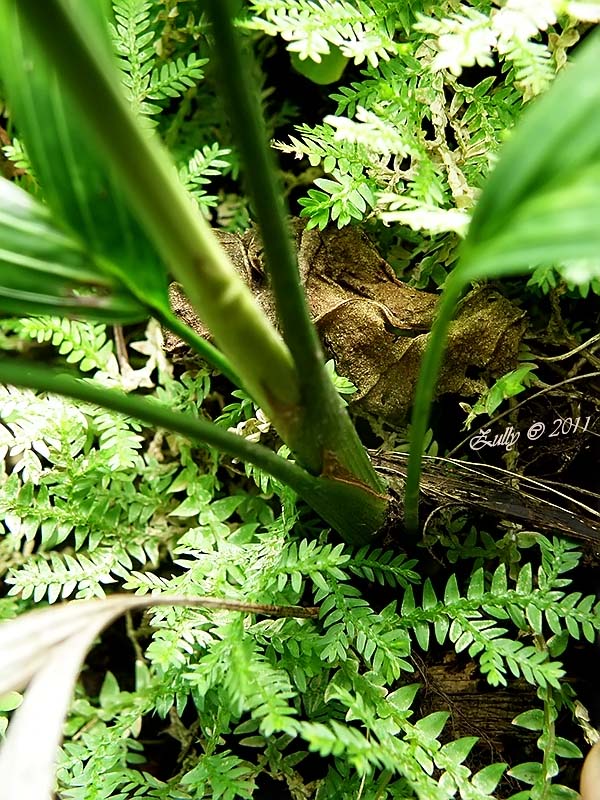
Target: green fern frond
397 744
83 343
146 80
36 427
225 775
311 28
384 566
533 66
256 686
120 439
133 38
470 621
377 144
205 164
308 559
175 77
102 757
351 625
178 635
469 36
16 154
53 576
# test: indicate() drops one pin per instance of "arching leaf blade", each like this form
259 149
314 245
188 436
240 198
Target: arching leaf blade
76 184
45 270
557 136
561 223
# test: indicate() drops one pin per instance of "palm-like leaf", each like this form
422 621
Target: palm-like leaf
46 270
79 189
45 649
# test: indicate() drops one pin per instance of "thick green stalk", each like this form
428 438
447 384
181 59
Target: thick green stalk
181 236
353 511
176 227
262 182
331 440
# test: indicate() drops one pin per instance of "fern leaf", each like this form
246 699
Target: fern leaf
175 77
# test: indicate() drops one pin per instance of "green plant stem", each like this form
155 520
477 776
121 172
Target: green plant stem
424 393
199 345
177 228
243 105
549 747
34 376
356 513
324 440
331 441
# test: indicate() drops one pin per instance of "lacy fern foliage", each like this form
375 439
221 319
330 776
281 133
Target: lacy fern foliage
144 78
411 142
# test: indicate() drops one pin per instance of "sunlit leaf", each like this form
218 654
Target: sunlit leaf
45 270
557 137
328 69
559 222
79 189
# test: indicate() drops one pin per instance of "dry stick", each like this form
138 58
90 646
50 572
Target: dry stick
493 495
570 353
536 483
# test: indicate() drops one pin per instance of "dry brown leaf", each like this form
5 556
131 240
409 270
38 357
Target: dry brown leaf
376 327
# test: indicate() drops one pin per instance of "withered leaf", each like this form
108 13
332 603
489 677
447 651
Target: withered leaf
375 326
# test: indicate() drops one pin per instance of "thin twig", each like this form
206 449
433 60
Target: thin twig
543 391
572 352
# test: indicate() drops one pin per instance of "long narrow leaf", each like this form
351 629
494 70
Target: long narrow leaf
559 223
180 234
82 190
28 754
559 135
78 186
45 270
